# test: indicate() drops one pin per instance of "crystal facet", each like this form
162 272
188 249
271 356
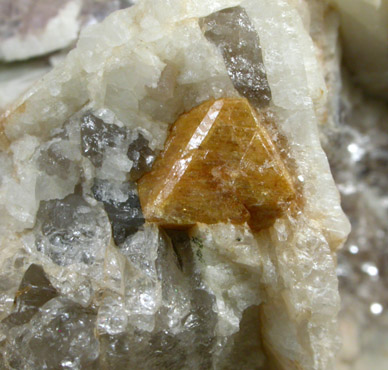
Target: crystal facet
219 165
235 35
124 214
34 291
70 231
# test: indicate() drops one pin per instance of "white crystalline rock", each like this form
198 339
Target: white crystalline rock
230 270
226 298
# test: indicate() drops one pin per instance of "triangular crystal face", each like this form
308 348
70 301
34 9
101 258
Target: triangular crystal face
218 165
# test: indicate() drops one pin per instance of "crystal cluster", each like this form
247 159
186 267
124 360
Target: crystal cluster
91 277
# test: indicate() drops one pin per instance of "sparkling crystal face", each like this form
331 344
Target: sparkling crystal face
71 231
219 165
97 136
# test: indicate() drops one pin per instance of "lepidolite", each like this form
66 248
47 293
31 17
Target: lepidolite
167 188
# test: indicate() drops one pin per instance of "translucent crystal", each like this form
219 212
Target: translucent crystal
235 35
58 162
60 336
142 287
219 165
141 156
34 291
55 163
71 231
183 332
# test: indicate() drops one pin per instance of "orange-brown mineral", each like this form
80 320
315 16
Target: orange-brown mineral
218 165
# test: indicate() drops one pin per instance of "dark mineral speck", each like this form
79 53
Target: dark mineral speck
122 205
96 136
34 291
142 157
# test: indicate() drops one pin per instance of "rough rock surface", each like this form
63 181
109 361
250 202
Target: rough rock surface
130 294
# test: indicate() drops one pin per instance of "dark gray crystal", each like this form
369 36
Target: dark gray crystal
142 157
34 291
96 136
246 344
233 33
125 216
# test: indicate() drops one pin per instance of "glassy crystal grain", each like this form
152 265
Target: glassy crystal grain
60 336
34 291
71 231
233 33
142 157
97 136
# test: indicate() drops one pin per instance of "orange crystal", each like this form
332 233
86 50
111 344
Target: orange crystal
218 165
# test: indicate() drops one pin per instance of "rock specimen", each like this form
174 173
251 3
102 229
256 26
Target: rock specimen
251 291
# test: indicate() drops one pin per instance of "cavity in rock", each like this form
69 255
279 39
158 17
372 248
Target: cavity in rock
233 33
